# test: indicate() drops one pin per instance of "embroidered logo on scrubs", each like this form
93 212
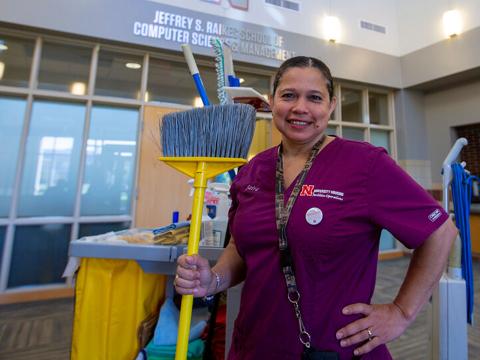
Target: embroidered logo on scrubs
252 188
434 215
309 190
314 216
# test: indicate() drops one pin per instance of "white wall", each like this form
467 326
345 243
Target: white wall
411 24
446 109
420 21
308 20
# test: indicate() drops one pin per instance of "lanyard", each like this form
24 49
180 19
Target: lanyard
282 215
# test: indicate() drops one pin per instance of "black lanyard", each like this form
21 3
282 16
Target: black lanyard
282 215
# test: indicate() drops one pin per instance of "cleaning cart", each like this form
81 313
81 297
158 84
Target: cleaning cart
119 290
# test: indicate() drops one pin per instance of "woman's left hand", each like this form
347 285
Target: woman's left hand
381 324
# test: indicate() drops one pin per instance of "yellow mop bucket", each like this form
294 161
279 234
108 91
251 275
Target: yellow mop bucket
112 298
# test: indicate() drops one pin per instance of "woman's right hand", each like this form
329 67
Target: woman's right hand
194 276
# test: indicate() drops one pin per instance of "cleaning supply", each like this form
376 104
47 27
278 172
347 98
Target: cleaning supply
222 206
231 79
462 184
217 46
167 325
248 95
192 66
202 143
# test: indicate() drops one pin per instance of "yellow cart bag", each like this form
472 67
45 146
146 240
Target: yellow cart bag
112 298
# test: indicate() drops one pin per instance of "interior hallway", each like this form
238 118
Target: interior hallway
42 330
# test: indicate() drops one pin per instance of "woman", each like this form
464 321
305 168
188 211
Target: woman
347 192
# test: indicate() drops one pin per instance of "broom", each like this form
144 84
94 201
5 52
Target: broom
203 143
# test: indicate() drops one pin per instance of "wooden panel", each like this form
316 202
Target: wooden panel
161 189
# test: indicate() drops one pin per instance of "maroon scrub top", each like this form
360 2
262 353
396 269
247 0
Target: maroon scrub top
359 190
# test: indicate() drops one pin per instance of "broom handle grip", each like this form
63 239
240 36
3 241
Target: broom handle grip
199 184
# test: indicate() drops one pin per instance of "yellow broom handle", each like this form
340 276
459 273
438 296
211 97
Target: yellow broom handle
199 185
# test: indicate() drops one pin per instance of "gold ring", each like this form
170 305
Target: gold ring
175 280
370 334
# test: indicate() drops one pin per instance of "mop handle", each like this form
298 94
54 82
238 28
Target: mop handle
454 267
447 167
192 66
199 185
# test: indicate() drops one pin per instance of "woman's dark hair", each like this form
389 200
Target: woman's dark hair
304 62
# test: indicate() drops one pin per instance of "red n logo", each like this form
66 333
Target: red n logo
307 190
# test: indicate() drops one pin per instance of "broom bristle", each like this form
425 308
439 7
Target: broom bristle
212 131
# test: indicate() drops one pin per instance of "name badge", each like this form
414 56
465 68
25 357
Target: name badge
314 216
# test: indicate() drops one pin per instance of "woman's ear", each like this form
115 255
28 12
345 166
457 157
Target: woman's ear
333 104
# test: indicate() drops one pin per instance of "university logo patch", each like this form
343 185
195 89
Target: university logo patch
309 190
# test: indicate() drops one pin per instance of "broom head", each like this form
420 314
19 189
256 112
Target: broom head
224 131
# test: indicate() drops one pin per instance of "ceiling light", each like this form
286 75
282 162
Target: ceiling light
452 23
2 69
197 102
132 65
78 88
331 28
3 46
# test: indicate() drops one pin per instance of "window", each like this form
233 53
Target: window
101 228
351 103
170 82
3 231
378 108
64 68
118 75
15 60
39 255
52 159
110 162
12 112
380 138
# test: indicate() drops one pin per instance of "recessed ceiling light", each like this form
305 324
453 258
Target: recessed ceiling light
3 46
197 102
78 88
133 65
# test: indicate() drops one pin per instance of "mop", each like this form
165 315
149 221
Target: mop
202 143
462 197
449 339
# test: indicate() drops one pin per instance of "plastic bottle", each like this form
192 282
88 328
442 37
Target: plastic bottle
221 219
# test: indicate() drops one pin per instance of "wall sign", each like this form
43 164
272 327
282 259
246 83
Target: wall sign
175 27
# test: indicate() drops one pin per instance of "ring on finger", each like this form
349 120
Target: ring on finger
370 334
175 280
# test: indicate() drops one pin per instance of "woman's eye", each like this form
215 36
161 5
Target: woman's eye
315 97
287 96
